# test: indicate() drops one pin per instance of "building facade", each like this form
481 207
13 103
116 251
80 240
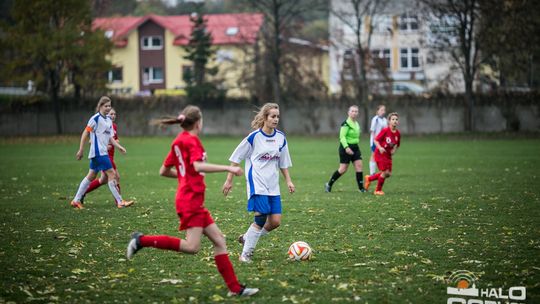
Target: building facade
399 45
148 54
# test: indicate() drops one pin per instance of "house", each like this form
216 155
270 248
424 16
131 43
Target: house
148 53
400 43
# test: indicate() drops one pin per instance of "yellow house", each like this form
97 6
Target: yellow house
148 53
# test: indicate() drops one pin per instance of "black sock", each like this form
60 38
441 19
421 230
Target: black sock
334 178
360 180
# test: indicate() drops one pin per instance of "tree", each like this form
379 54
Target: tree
456 30
200 53
45 40
281 18
358 15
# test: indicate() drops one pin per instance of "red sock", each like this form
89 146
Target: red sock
93 185
226 270
380 183
374 176
161 242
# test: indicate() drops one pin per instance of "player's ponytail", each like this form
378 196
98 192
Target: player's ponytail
262 114
186 119
103 100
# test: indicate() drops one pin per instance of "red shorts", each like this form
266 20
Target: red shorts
195 218
384 164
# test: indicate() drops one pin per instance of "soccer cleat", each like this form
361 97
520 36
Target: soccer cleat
134 245
378 193
244 292
241 239
245 258
367 182
77 205
124 204
327 188
362 190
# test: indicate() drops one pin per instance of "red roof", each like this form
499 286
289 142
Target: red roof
225 28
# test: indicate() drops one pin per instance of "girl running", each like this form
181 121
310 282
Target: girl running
96 183
349 151
100 130
378 122
186 162
387 143
264 150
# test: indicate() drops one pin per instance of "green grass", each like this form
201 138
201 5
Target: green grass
452 203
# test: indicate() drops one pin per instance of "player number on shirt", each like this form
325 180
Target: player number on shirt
181 165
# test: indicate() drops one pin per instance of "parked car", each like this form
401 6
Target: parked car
404 88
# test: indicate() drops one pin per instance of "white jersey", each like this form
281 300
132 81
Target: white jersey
101 130
377 124
264 155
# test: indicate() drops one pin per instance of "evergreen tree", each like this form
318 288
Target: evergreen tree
200 53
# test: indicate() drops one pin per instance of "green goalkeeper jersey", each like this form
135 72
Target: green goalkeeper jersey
349 133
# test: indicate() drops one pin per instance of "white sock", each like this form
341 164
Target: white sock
264 232
372 167
114 191
252 237
85 183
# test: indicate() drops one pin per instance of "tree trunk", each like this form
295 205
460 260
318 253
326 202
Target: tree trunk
469 100
54 87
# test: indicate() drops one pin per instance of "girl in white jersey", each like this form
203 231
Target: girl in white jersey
264 150
100 130
378 122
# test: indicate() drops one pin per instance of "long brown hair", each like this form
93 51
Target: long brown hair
262 114
103 100
187 118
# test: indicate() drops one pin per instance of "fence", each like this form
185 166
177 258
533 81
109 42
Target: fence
24 116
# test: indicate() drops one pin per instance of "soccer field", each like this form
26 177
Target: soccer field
451 204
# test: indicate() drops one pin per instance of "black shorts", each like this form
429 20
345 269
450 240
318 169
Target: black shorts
345 158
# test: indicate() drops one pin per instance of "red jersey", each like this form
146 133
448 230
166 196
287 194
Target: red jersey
186 149
388 140
110 148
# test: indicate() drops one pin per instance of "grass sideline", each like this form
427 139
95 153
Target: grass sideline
453 203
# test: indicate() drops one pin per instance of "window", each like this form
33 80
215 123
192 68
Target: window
409 59
152 75
115 75
152 43
382 24
224 55
231 31
383 56
348 65
408 22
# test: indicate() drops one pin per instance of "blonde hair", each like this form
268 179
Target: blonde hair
103 100
187 118
262 114
392 114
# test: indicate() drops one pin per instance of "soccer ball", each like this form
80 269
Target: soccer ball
300 251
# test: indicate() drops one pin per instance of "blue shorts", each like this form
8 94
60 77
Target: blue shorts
265 204
100 163
373 146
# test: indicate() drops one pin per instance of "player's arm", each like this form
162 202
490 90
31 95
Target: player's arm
343 139
378 145
287 176
168 171
84 138
115 143
211 168
227 186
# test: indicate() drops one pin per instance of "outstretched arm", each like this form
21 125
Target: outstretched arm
211 168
